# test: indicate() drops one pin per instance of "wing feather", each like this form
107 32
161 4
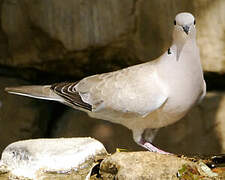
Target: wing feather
69 93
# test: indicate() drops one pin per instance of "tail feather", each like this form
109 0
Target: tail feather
39 92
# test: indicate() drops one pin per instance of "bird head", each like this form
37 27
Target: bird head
184 26
184 29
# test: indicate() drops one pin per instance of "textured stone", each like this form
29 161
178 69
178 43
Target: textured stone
41 158
20 118
147 165
52 35
57 37
82 38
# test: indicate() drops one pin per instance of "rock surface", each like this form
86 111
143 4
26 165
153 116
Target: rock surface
82 38
52 35
147 165
38 157
86 158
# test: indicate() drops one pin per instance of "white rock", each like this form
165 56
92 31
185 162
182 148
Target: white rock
32 157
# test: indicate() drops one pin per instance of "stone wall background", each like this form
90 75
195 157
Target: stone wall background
47 41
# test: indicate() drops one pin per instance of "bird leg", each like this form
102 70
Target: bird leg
145 137
147 145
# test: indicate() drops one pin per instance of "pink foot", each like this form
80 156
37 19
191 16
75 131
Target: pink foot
152 148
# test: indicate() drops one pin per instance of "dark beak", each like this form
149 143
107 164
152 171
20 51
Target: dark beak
186 29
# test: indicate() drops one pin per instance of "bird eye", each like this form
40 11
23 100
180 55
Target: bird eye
175 22
194 22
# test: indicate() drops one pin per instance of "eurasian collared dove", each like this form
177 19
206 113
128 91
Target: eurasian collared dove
143 97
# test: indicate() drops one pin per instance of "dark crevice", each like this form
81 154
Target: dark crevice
33 75
57 111
214 81
96 169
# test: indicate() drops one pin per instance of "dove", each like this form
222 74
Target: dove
143 97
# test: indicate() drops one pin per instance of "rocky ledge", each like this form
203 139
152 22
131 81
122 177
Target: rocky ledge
86 158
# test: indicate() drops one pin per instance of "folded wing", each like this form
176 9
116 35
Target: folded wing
137 89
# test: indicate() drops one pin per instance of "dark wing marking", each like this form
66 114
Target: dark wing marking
69 93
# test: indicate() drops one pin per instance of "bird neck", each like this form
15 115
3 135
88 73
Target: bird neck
180 45
181 59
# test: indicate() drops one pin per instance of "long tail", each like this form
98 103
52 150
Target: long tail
39 92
